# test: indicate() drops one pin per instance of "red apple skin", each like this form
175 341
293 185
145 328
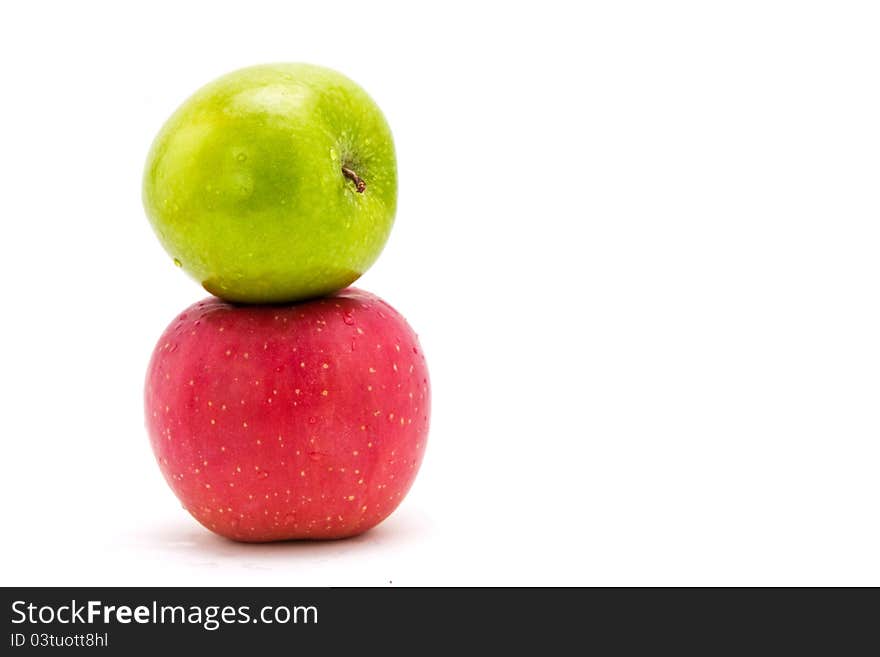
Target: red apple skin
305 421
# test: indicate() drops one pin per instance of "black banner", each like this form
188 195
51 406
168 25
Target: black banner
397 621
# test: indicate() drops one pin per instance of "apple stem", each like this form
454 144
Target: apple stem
356 179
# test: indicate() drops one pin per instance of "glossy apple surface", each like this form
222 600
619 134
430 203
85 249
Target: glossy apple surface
306 421
274 183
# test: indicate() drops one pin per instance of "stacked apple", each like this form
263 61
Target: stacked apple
288 406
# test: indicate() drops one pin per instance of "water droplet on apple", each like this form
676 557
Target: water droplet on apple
312 420
262 474
177 263
348 319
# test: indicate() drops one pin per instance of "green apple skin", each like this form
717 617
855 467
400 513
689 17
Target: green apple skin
252 185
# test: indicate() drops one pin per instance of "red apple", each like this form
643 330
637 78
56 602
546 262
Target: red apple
305 421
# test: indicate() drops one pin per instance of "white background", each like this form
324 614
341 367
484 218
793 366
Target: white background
639 242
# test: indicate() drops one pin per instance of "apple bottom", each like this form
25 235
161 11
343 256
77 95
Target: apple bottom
305 421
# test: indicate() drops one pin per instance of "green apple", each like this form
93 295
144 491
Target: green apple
273 183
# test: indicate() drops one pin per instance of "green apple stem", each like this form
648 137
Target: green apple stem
356 179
